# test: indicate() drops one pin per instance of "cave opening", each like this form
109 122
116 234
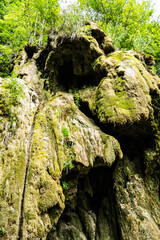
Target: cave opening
97 184
94 214
97 190
30 50
66 76
72 75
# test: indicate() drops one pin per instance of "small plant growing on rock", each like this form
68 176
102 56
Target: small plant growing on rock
67 165
64 185
65 132
2 231
11 95
15 90
77 99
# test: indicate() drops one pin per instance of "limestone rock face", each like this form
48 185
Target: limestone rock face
64 139
138 208
79 142
122 99
18 106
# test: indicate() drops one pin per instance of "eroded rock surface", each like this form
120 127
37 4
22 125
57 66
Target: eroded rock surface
80 149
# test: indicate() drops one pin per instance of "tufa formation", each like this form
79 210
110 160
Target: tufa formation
80 142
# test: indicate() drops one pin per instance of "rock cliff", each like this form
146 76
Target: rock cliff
80 142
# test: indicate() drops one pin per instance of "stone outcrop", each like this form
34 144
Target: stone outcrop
79 142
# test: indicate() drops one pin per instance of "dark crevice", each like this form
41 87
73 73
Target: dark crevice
70 81
30 50
66 76
101 180
95 196
21 75
21 218
41 60
71 72
53 211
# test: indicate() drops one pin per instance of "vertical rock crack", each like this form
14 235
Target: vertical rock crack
21 218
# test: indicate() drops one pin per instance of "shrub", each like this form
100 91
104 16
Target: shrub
11 95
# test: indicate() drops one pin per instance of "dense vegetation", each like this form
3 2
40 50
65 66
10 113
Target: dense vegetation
129 23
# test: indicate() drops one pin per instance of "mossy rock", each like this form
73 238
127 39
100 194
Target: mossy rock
62 173
122 98
64 140
136 191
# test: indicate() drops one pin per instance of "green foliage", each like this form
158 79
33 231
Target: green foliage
68 164
128 22
11 95
64 185
2 8
69 151
2 231
24 22
65 132
122 19
77 99
14 91
125 12
5 53
28 21
71 18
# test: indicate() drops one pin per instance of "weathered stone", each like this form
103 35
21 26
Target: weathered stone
61 175
122 99
15 130
137 201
